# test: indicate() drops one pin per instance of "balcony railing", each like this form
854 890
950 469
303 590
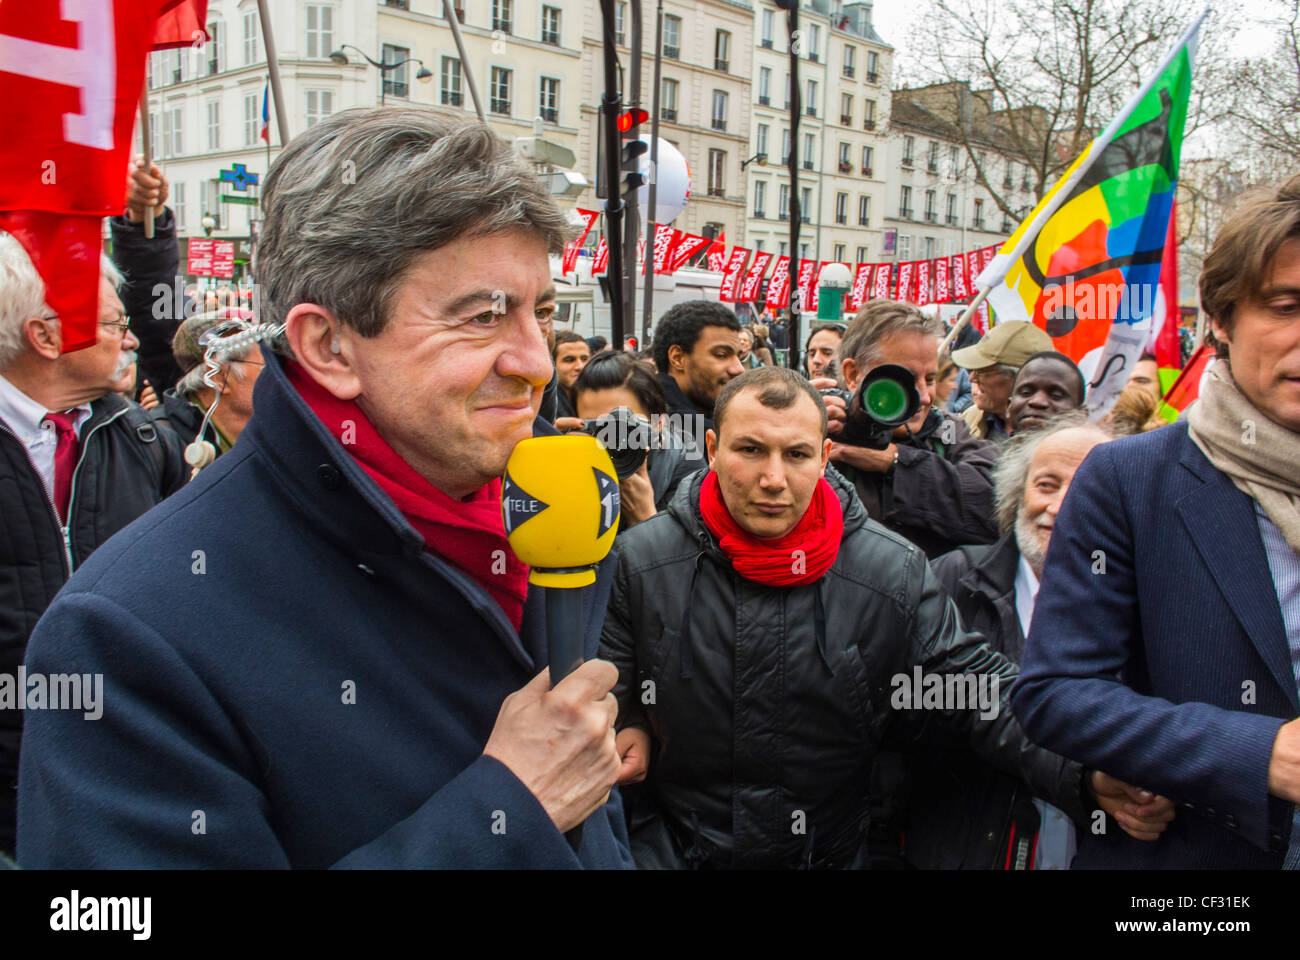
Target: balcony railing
715 192
672 53
931 216
813 56
869 123
905 213
979 223
841 219
760 215
807 164
846 167
810 110
453 98
846 120
719 124
766 43
873 77
501 24
764 101
1007 183
907 162
720 64
848 71
951 219
551 37
866 172
550 114
668 113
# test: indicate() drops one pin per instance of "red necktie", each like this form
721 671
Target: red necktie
65 458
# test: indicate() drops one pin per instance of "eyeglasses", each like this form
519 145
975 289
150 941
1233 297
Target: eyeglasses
121 324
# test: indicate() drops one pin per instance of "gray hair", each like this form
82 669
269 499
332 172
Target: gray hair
22 294
878 319
1012 471
350 203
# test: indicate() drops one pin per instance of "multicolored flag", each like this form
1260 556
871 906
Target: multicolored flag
1085 264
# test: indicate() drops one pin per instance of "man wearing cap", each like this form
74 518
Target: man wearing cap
994 363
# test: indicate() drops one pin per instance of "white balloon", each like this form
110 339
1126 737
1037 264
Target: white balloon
673 187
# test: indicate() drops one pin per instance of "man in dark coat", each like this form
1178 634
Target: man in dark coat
78 463
337 660
1166 636
770 638
697 350
933 483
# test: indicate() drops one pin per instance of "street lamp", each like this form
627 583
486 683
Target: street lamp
759 158
209 223
423 75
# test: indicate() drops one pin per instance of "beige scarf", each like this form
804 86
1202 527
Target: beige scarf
1260 456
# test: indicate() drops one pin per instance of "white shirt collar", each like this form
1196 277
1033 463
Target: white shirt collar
1026 594
23 415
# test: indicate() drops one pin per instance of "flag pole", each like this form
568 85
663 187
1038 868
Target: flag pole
144 143
273 68
964 318
466 71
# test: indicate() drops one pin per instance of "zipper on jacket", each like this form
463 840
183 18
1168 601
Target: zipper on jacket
64 535
72 490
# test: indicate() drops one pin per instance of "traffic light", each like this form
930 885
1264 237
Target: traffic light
630 151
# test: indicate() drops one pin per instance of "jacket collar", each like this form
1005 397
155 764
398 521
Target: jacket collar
1221 522
676 400
994 576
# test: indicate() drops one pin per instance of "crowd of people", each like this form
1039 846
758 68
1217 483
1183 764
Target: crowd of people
287 564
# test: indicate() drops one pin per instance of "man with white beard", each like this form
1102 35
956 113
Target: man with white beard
964 814
78 462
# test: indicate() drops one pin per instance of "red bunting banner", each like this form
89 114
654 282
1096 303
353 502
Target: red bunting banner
939 270
754 278
601 259
688 245
665 237
880 277
861 282
778 288
716 258
906 281
923 293
972 269
571 249
736 264
957 273
807 285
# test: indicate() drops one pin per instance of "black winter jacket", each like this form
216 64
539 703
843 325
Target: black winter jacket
147 264
963 813
766 705
680 404
128 463
940 495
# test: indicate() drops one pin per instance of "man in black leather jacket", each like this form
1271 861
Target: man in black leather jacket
768 637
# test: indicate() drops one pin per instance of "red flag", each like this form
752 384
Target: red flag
861 281
688 245
754 278
778 288
601 259
1188 385
906 281
571 249
973 268
939 270
981 319
880 277
923 294
808 270
181 24
987 254
1164 335
731 275
70 89
717 255
665 238
957 272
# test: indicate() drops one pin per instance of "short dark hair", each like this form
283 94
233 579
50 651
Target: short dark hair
682 324
596 344
1063 359
611 369
778 387
1236 268
566 336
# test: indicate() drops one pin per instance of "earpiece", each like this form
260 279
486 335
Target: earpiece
334 346
198 455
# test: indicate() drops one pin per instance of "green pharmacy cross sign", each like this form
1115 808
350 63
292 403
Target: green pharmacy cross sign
241 179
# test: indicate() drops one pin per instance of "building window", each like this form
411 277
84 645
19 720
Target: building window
932 161
787 91
841 211
551 25
868 114
979 214
864 210
758 245
838 255
549 103
929 248
499 92
764 86
721 50
458 6
784 245
951 214
767 28
214 124
862 254
846 109
719 110
216 47
814 42
501 15
783 204
867 154
716 160
803 247
250 37
252 120
173 132
451 92
760 141
760 198
845 164
873 67
905 203
810 102
397 82
320 30
668 109
805 207
320 104
785 146
809 148
909 145
620 13
954 167
672 37
930 213
850 59
178 205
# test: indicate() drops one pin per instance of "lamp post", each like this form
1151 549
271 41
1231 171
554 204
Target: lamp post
423 75
759 158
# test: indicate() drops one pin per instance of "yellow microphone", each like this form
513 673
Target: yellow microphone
560 505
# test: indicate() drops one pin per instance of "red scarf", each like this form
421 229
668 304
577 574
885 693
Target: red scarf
775 562
466 533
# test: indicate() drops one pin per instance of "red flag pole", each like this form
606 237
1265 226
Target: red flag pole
144 141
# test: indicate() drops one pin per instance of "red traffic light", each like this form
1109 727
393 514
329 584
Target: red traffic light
631 118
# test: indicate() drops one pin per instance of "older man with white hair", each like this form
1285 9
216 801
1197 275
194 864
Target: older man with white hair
78 462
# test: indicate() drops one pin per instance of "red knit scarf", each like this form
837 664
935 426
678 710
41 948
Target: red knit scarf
801 556
466 533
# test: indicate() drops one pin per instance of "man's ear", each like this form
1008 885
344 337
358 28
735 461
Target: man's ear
44 336
711 445
676 358
322 345
852 374
826 454
1221 333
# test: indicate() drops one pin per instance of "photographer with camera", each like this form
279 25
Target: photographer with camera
925 477
620 402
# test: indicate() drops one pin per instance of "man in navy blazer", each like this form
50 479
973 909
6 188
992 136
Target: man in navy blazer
323 652
1165 644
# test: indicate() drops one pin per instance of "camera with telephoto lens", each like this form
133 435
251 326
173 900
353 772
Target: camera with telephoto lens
885 400
625 436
